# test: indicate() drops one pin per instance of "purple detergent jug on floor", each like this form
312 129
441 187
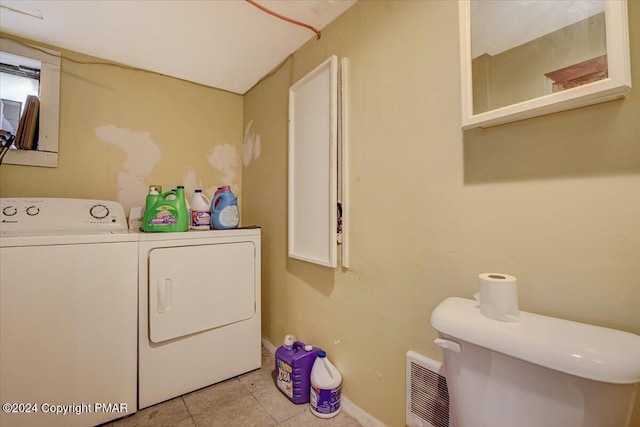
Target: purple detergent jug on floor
294 361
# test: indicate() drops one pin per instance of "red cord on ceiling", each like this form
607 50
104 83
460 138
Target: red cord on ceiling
284 18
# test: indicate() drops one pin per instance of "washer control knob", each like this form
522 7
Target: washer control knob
9 211
33 210
99 211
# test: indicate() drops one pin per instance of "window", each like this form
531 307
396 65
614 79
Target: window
16 81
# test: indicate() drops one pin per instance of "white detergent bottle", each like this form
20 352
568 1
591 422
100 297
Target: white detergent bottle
326 382
200 212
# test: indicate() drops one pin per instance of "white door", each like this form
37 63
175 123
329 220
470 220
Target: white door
200 287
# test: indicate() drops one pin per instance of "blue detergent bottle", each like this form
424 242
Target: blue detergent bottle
224 209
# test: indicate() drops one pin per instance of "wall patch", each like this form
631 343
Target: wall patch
251 145
225 159
142 156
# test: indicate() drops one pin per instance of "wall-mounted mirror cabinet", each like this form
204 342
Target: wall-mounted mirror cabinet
521 59
30 102
318 166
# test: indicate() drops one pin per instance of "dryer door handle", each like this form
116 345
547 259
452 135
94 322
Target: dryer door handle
165 294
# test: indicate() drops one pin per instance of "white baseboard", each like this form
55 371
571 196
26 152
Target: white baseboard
270 347
364 418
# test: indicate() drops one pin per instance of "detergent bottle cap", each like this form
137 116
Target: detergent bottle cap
288 341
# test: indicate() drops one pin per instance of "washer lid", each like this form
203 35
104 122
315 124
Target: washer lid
587 351
49 238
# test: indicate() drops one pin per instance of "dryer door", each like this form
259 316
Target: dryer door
199 287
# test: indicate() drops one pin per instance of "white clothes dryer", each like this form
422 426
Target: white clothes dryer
199 310
68 312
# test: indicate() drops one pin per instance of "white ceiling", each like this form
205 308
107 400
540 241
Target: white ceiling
227 44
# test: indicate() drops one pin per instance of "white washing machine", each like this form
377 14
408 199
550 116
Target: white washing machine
68 312
199 308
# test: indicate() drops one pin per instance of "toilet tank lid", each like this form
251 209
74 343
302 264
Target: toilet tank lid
587 351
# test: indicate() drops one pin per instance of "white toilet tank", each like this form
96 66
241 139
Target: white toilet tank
539 372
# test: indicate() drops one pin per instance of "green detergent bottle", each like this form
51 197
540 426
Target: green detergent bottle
169 213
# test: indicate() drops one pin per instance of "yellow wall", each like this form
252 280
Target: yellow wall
553 200
122 130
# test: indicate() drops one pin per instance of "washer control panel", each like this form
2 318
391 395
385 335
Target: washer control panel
58 214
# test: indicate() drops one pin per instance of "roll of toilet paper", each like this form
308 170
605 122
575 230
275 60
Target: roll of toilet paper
498 297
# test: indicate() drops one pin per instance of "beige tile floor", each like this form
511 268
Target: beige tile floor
250 400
